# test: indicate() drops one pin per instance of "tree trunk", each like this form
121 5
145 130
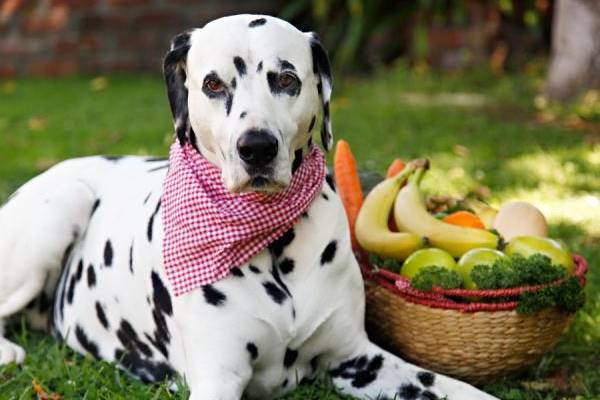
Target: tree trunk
575 62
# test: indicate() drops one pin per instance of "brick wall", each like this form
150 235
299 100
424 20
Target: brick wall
61 37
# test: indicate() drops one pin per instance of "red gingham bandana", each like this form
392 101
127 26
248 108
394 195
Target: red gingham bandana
208 230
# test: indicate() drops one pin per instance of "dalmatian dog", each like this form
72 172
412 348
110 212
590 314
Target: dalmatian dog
81 244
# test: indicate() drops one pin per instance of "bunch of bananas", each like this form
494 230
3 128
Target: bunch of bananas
417 227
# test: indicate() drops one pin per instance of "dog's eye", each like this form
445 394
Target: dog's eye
287 80
214 85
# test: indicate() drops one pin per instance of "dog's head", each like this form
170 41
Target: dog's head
246 91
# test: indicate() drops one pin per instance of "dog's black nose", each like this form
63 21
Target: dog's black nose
257 147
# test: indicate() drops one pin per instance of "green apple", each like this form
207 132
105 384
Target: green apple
475 257
425 258
530 245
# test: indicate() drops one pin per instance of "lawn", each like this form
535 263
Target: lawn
481 132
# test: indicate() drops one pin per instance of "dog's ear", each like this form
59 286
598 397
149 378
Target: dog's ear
322 67
174 71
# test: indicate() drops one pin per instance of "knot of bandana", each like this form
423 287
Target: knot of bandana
209 230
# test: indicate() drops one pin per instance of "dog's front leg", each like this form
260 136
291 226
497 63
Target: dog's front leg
373 373
216 363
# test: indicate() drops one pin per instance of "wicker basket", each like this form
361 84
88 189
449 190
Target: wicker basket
471 341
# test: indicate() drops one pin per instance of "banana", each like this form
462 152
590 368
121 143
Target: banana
411 215
371 228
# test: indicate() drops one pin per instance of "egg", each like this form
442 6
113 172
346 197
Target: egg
519 218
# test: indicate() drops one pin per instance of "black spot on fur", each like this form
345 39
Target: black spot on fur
101 315
95 207
112 158
427 395
286 265
150 229
236 271
254 269
79 271
257 22
147 370
323 195
297 160
290 357
275 292
228 103
240 65
312 123
285 382
253 350
329 253
243 115
131 258
108 254
278 245
409 392
131 341
233 83
71 290
259 66
91 276
87 344
360 370
330 181
426 378
285 64
160 295
213 296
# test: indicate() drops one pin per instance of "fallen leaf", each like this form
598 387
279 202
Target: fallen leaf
37 123
98 84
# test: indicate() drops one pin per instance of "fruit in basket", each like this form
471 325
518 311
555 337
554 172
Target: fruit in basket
519 218
484 211
426 258
476 257
411 215
371 228
395 167
530 245
464 218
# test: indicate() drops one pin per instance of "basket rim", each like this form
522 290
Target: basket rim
436 298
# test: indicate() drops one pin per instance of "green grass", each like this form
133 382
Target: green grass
478 130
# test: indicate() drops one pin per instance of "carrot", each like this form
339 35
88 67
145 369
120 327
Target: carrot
464 218
348 183
395 167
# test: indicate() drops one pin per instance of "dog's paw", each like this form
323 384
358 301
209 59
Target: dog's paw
10 352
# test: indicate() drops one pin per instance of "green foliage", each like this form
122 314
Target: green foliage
567 296
515 271
434 275
387 263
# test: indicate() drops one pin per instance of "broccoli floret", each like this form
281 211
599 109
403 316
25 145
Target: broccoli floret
517 271
387 263
433 275
568 297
